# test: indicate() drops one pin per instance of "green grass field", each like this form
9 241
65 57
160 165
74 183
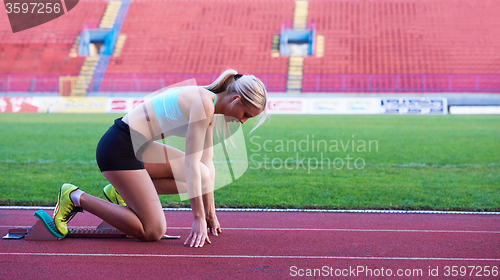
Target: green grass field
398 162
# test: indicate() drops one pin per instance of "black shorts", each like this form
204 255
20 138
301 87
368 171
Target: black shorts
121 148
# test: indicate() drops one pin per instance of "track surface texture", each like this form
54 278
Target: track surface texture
270 245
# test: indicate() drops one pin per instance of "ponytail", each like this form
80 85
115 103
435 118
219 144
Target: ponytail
251 90
222 82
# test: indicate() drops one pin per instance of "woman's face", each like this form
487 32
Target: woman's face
236 111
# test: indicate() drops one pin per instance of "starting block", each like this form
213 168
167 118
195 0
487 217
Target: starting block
45 229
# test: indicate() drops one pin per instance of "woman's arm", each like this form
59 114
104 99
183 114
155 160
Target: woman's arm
200 114
208 193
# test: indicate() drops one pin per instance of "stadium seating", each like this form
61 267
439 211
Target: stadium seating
44 50
423 41
369 45
201 37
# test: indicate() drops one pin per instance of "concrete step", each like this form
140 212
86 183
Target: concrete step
320 45
294 84
109 17
120 42
295 72
86 72
88 66
275 49
297 58
79 92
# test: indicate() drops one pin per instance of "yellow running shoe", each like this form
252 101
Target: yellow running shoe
112 196
65 208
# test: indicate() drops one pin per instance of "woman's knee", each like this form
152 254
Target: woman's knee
154 232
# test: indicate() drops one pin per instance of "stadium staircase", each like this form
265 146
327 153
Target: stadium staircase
364 46
165 46
73 52
117 45
296 63
320 45
294 75
275 49
85 76
109 17
87 71
300 14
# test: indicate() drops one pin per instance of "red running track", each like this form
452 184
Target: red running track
277 245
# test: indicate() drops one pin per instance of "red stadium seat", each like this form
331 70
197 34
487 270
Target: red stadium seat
419 44
44 50
370 46
207 37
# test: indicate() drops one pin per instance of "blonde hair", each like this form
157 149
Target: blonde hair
250 89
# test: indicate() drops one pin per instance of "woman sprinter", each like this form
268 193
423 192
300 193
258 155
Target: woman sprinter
139 169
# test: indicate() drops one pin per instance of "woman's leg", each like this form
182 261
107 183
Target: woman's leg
165 166
143 218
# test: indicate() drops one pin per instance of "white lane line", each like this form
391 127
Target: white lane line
362 211
326 229
244 256
354 230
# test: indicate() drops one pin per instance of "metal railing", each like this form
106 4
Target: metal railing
153 82
29 83
400 83
274 82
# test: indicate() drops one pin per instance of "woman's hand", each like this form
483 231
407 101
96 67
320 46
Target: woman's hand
213 224
198 234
